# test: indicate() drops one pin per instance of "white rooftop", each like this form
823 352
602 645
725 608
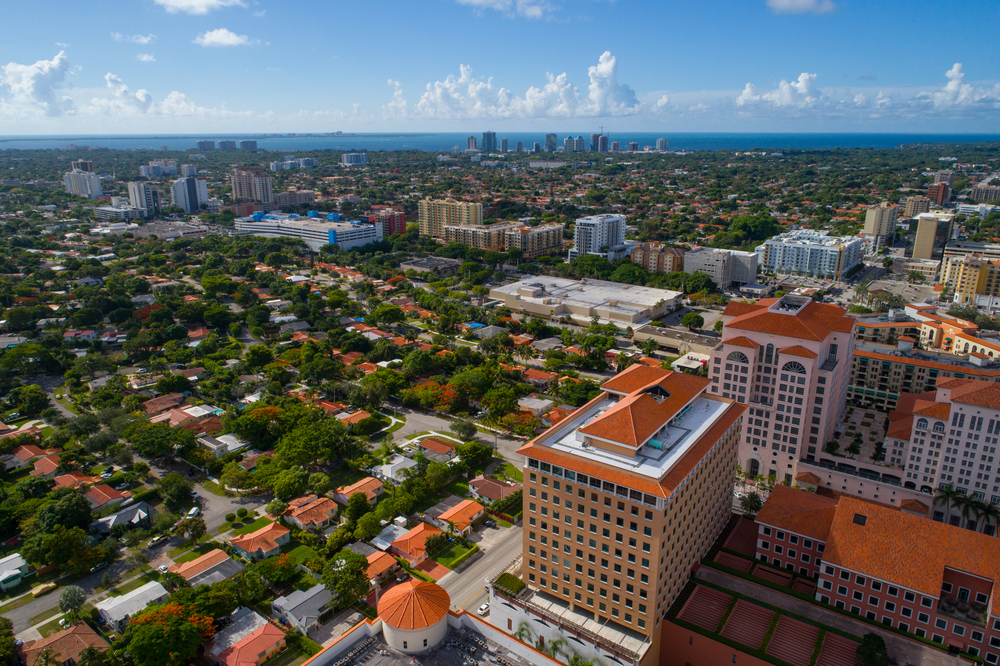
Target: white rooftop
118 608
589 293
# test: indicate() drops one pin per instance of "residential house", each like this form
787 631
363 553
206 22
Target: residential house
136 516
28 452
490 489
293 327
462 516
311 512
393 470
353 419
249 463
265 542
247 640
213 566
103 495
13 569
163 403
117 611
223 444
540 379
534 406
45 468
438 449
64 647
301 609
381 565
389 534
411 546
75 479
371 487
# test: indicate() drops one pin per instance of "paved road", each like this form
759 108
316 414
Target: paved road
467 589
421 422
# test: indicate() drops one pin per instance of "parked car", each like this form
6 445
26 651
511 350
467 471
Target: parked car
157 540
162 568
122 486
193 512
490 524
402 577
484 609
97 567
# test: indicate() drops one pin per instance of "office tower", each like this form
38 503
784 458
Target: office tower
985 194
661 143
520 147
489 142
727 268
150 171
354 159
436 214
945 176
535 241
471 143
656 258
615 146
251 184
82 165
602 235
930 233
633 146
594 142
916 205
248 145
550 143
939 193
626 471
789 359
503 145
880 223
536 148
227 145
811 253
190 193
145 197
205 145
83 183
602 144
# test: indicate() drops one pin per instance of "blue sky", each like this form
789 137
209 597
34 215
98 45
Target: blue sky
150 66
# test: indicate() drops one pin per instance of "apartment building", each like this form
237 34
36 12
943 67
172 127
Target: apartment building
488 237
932 580
602 235
145 197
535 241
939 193
656 258
189 194
354 159
622 498
916 205
82 165
971 276
880 223
83 183
983 194
789 360
962 248
393 222
436 214
729 269
810 253
252 184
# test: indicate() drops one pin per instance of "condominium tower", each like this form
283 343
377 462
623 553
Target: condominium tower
810 253
535 241
189 193
622 498
252 184
436 214
489 142
916 205
880 223
83 183
551 143
602 235
145 197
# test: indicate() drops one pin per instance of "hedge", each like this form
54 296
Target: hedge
509 583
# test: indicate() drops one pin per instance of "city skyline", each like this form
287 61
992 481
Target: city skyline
183 66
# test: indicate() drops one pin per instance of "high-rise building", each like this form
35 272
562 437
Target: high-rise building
83 183
569 145
307 163
727 268
471 143
481 237
550 143
633 146
189 193
788 359
811 253
985 194
971 276
252 184
635 459
503 145
915 206
354 159
656 258
602 144
602 235
661 143
945 176
248 145
536 148
939 193
189 170
520 147
489 142
595 140
615 146
535 241
880 223
436 214
227 145
205 145
145 197
82 165
930 233
393 222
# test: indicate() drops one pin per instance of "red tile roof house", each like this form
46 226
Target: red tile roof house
491 490
311 512
28 452
256 648
265 542
411 546
931 579
462 516
381 565
65 647
104 495
75 479
442 447
45 468
369 485
162 403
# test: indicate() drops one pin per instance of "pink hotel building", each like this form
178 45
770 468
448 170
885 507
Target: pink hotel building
923 577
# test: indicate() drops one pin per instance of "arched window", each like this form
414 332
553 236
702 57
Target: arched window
769 354
966 347
794 366
738 356
938 427
922 423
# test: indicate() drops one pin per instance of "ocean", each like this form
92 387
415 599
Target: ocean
446 141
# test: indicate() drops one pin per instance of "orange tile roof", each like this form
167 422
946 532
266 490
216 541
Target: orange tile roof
104 493
356 417
413 605
436 445
965 391
311 509
981 372
634 378
808 477
264 539
914 505
379 563
73 479
937 410
45 466
798 350
741 341
798 511
66 646
412 542
250 650
462 514
814 322
188 570
368 485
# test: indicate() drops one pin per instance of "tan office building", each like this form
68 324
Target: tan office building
932 234
656 258
621 499
880 222
536 241
436 214
915 206
971 276
490 237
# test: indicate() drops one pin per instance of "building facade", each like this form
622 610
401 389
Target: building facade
789 359
484 237
392 221
252 184
880 223
354 159
189 193
662 144
489 142
930 232
609 492
916 205
315 232
145 197
551 142
939 193
971 276
535 241
436 214
656 258
602 235
83 183
729 269
810 253
984 194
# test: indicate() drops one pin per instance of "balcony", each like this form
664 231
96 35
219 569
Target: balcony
963 611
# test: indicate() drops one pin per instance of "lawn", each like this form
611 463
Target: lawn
254 526
346 477
458 487
184 547
451 555
196 552
214 488
146 577
44 615
513 472
298 552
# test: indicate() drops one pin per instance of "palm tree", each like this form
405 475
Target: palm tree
971 507
523 632
751 504
990 513
946 496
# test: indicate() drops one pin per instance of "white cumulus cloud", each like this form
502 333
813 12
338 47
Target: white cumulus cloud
145 57
801 6
528 8
197 6
135 39
35 87
662 102
121 101
800 93
221 37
